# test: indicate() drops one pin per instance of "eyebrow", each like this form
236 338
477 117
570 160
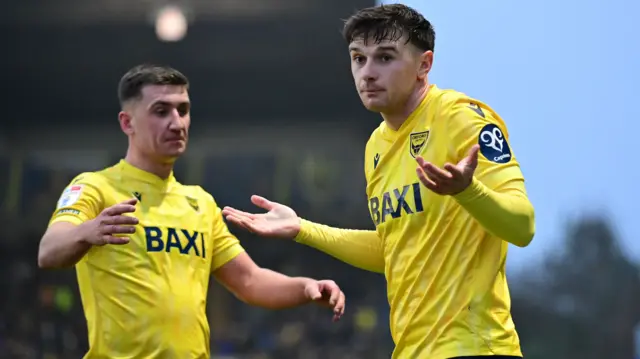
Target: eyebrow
168 103
379 48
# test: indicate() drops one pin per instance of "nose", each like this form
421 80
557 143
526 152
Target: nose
369 72
177 122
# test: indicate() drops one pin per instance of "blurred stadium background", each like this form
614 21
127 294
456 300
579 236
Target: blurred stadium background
275 114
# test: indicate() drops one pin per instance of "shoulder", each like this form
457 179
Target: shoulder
464 111
94 179
86 183
84 190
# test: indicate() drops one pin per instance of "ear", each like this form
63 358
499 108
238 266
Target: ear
126 122
426 61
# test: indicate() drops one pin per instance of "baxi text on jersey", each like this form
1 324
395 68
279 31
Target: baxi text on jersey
173 240
395 203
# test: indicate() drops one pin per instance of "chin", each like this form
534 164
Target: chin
374 104
175 152
373 107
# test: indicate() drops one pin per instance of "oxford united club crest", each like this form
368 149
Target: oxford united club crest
193 203
417 141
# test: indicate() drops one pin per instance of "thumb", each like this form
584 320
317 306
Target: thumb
473 155
262 202
313 292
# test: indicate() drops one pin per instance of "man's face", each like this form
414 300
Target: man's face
158 122
387 73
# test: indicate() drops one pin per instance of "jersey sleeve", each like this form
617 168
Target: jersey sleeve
360 248
475 123
80 201
225 245
496 197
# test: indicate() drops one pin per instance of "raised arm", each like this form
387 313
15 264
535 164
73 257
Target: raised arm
488 182
359 248
79 222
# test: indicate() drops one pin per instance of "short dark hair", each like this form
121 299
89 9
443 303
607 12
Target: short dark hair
131 84
390 23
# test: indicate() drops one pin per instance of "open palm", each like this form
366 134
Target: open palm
279 221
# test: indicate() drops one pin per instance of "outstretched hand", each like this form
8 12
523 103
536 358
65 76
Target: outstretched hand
279 221
451 180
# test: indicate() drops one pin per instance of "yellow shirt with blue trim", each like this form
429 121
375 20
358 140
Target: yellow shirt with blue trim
147 298
443 256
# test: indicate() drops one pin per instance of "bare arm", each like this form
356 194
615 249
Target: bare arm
268 289
62 245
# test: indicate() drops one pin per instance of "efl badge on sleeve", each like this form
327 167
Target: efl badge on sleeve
70 195
417 142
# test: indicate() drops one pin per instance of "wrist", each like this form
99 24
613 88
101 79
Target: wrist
308 287
81 233
473 190
299 230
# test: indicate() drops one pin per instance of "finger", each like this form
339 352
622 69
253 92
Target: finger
115 240
262 202
120 209
473 155
314 293
456 173
334 295
473 152
426 181
340 305
130 201
436 173
121 220
421 161
240 222
118 229
232 211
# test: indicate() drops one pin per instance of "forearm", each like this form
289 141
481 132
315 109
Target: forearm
63 245
272 290
508 215
359 248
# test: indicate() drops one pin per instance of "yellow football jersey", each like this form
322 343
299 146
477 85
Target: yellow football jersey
146 299
447 287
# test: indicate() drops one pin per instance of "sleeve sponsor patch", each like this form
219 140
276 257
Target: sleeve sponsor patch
70 196
493 144
68 211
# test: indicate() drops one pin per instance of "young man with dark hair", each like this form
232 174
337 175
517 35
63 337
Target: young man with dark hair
445 193
144 245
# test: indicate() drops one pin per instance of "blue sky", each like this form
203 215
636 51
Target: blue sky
564 77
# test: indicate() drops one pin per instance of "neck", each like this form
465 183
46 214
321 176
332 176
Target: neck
395 119
160 169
